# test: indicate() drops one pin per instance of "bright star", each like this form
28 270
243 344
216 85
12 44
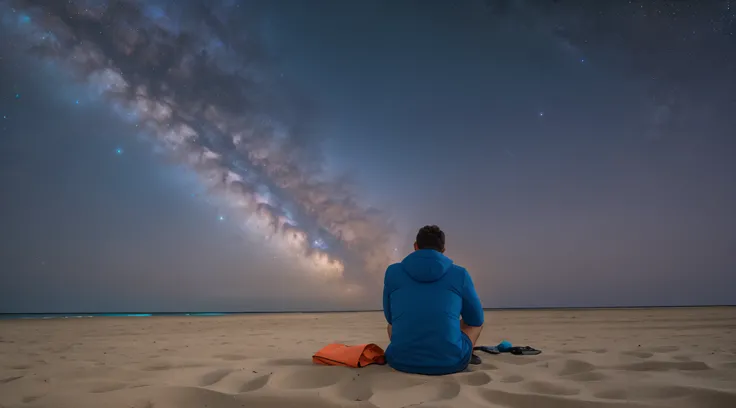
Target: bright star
17 96
541 113
319 243
118 151
221 218
77 101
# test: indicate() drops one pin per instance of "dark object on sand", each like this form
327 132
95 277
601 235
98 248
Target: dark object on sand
487 349
524 351
507 348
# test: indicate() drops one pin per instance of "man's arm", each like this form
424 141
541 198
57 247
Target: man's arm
472 312
387 299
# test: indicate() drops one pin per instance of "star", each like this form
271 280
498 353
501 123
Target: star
221 218
77 102
118 151
17 96
541 114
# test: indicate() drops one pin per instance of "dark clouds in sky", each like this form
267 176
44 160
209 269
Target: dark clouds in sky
576 153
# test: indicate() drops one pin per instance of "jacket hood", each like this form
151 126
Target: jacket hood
426 265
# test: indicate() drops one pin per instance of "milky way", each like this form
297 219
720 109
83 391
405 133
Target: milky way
204 89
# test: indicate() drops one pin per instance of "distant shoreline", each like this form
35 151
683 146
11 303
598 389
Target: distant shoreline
46 316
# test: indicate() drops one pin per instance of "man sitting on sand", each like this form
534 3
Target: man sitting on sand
433 312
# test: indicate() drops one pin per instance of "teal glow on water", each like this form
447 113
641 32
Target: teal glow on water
123 314
208 314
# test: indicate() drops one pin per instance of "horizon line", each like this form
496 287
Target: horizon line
123 313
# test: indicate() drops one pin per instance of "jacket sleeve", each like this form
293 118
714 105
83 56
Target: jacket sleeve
472 312
387 298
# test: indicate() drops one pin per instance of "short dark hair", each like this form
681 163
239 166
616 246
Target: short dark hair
431 237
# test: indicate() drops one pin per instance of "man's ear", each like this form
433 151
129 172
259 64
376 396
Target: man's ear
443 250
416 247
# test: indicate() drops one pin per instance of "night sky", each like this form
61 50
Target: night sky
229 155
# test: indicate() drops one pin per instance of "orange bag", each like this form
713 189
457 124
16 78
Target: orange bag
350 356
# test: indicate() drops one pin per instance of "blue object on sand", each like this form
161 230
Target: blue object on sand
504 346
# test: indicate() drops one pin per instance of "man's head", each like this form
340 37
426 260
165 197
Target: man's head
430 237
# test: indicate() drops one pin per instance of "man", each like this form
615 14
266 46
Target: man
424 298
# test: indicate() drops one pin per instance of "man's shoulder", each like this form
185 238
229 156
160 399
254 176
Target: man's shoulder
393 269
458 273
392 273
458 269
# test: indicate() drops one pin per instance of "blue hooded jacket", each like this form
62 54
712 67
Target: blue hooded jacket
424 297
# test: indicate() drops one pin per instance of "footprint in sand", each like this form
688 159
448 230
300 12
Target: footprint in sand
163 366
309 378
291 362
548 388
702 397
395 381
10 379
572 367
214 377
590 376
637 353
108 388
514 400
641 393
189 397
666 366
430 391
302 401
475 379
692 396
518 360
582 371
663 349
255 384
512 379
19 367
231 357
354 390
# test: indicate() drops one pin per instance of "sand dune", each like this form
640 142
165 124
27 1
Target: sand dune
599 358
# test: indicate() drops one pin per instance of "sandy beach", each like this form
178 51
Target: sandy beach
592 358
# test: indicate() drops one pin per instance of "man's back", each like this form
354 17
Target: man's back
423 299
